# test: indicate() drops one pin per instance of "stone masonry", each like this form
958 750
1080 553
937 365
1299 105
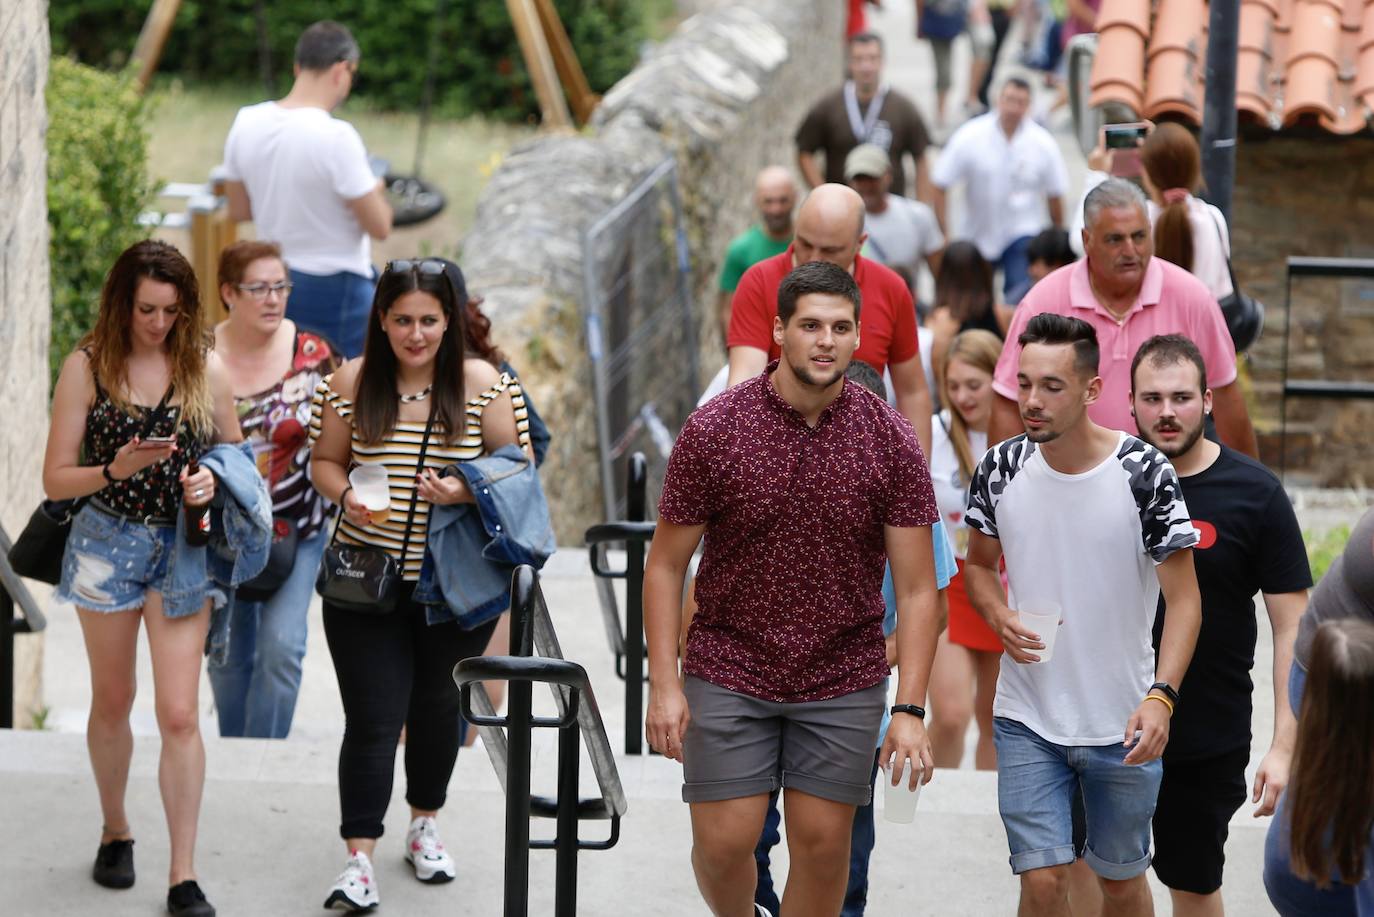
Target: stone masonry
1309 195
24 290
725 95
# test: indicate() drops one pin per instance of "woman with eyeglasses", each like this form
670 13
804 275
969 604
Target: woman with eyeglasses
273 368
416 398
136 404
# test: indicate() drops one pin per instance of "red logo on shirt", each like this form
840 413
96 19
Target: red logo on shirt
1206 533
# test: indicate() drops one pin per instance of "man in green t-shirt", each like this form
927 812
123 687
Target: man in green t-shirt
775 196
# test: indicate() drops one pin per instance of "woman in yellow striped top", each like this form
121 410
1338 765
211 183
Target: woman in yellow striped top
394 669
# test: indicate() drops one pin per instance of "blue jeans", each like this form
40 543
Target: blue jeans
861 840
256 686
335 306
1036 784
1015 265
1295 897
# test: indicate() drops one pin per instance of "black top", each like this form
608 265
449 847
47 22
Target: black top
899 129
1250 542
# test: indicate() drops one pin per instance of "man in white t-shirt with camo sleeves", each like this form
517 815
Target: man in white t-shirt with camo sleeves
304 178
1092 521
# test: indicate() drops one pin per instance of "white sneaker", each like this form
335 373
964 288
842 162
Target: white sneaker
355 889
426 852
761 911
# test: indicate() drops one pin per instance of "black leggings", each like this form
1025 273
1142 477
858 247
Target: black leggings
394 670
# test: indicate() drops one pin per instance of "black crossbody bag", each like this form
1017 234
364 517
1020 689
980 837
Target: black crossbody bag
38 551
362 578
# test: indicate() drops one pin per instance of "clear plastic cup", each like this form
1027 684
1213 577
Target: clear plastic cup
1042 618
899 803
373 489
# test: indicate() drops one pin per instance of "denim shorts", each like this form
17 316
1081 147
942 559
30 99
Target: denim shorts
737 745
1036 784
110 564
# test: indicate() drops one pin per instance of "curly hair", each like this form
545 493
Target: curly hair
109 344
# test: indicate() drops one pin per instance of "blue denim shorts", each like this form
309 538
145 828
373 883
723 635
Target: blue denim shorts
111 564
1036 783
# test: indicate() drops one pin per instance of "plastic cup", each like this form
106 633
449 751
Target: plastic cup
899 803
373 490
1042 619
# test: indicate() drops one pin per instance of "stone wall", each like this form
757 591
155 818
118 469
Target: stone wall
1309 195
24 293
724 94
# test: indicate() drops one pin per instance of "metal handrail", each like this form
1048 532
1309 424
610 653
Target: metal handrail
1332 268
508 742
627 645
13 595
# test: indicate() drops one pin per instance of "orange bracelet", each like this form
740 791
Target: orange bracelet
1163 700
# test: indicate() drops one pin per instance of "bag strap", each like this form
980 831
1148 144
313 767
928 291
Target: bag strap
415 494
1221 240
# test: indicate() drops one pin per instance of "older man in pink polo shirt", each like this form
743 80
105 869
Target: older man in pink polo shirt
1128 296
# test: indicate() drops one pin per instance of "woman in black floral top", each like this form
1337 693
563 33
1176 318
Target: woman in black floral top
135 403
274 368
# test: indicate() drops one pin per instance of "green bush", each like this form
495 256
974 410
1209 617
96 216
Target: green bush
97 185
1323 549
480 70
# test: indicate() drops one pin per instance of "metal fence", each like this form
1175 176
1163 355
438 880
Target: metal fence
641 331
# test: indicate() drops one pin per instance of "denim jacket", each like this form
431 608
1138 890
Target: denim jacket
472 548
238 546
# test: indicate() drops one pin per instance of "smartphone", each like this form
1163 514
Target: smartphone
1125 140
156 442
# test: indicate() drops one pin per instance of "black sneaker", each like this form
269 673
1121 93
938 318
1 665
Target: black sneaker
114 865
185 899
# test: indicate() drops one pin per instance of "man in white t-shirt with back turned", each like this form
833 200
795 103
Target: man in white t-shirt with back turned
303 177
1093 526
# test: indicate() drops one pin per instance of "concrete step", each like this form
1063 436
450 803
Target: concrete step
268 841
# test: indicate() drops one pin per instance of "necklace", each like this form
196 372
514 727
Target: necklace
421 395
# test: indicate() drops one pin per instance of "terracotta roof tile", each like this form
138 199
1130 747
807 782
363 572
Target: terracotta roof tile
1299 61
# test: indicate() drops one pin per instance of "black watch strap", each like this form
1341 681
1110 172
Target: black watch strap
1163 687
918 712
108 476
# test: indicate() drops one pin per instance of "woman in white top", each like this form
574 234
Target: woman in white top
964 679
1188 231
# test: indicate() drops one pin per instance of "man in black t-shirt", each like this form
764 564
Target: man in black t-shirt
864 110
1249 542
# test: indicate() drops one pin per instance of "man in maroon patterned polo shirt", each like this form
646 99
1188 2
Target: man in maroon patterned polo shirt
803 485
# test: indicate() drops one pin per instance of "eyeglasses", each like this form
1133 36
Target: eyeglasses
430 266
260 290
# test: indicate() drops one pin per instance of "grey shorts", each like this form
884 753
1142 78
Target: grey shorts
737 745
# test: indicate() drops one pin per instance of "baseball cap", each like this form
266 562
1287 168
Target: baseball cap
866 159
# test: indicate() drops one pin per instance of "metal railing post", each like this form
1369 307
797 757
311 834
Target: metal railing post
7 631
567 843
519 713
636 497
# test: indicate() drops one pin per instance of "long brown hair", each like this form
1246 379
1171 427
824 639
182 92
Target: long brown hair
1331 798
964 283
979 349
1172 160
109 343
378 401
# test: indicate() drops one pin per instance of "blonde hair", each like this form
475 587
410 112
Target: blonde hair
979 349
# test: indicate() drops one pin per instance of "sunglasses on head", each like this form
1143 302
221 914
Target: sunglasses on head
430 266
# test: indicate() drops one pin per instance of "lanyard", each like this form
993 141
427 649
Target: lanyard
863 126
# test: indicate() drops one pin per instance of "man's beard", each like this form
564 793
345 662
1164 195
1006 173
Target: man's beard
806 377
1180 447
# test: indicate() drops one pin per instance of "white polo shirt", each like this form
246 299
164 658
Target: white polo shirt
1006 180
301 167
1089 543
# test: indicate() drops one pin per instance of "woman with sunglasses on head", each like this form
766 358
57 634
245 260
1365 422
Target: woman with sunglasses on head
416 399
124 565
273 367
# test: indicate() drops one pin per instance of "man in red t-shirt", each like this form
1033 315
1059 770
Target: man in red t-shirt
830 227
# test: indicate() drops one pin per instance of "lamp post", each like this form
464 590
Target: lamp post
1219 104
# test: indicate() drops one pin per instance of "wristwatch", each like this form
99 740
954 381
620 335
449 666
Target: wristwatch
918 712
1163 687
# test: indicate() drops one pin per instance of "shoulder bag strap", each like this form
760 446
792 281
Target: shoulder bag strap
1221 240
415 494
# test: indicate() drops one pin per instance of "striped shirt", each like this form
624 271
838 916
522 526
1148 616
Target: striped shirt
399 454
